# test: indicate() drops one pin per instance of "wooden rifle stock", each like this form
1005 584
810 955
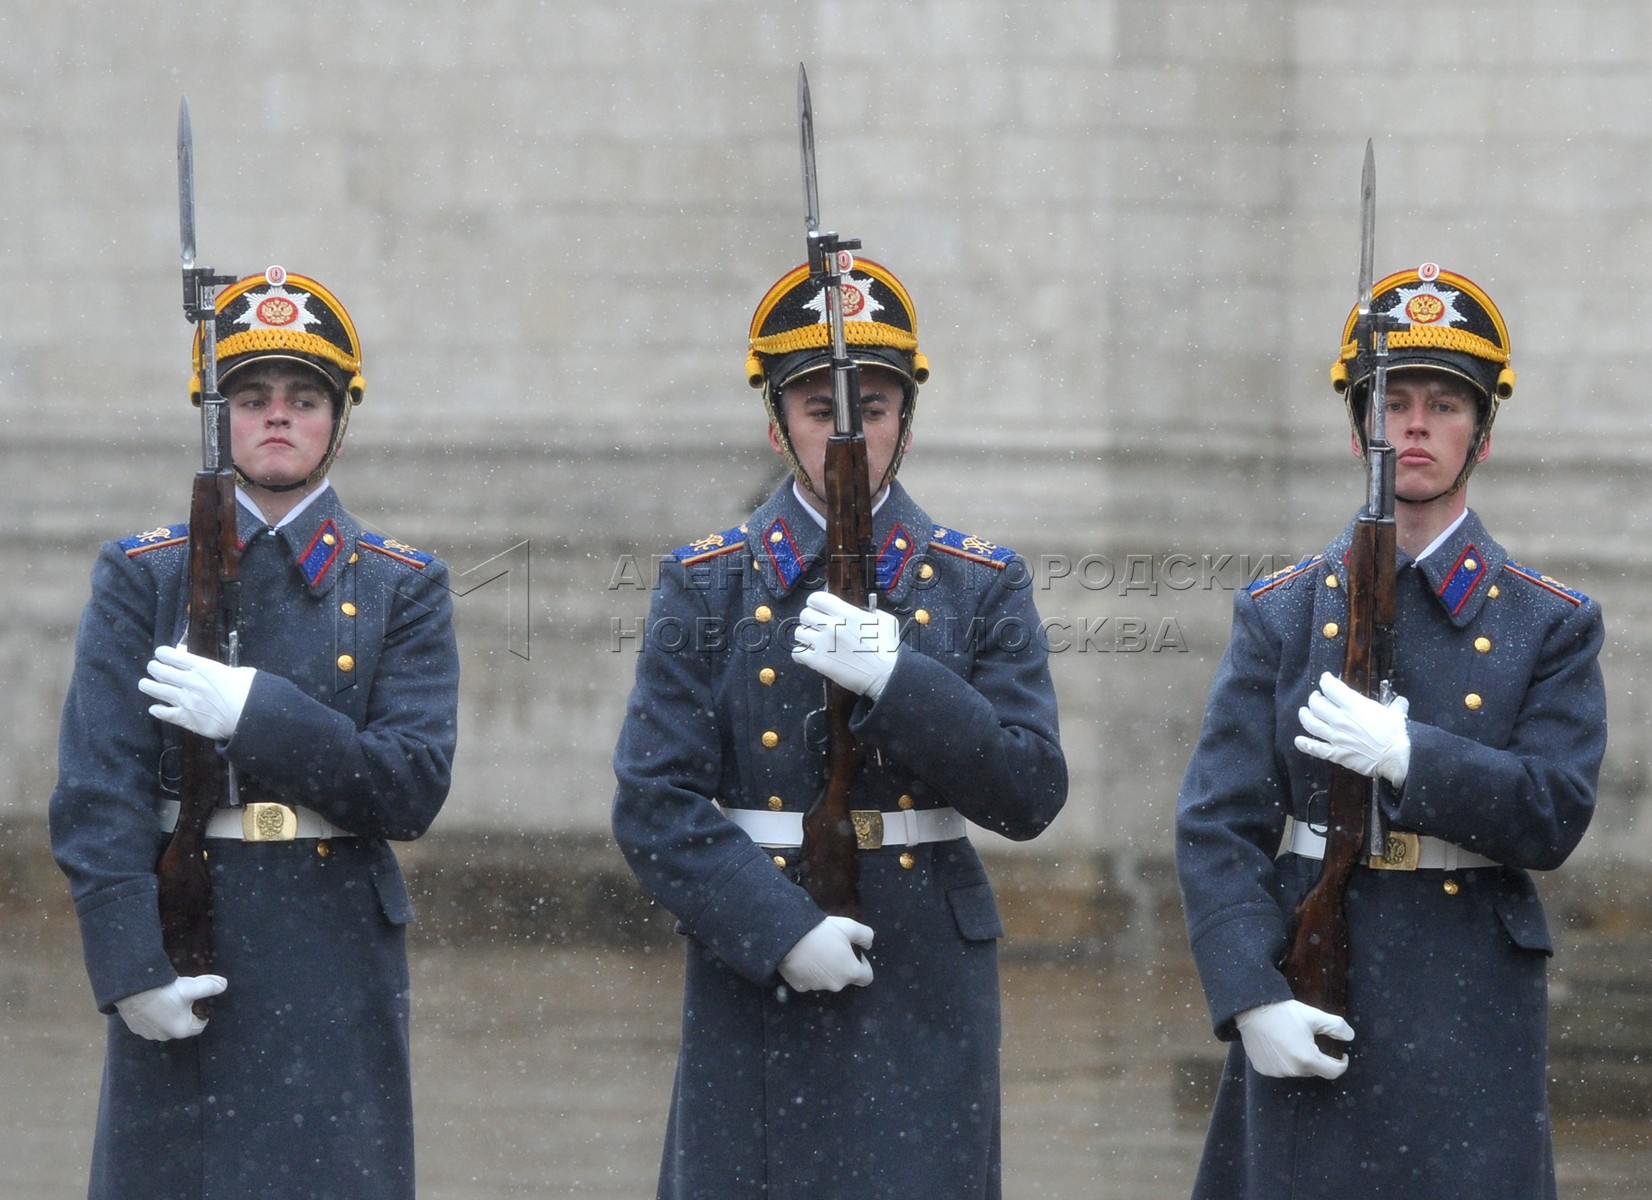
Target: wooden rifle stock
205 777
1316 965
185 885
828 868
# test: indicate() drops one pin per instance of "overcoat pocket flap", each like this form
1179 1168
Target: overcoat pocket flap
392 889
976 912
1523 919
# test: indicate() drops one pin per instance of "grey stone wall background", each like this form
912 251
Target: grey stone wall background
1130 226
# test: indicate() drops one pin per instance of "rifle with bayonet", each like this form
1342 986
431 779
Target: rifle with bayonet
828 868
1316 965
206 780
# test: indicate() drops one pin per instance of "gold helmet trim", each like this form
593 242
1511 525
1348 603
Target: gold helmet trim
275 341
858 334
1448 339
299 345
1435 337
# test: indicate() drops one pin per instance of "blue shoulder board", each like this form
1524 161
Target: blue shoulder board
155 539
1544 582
967 545
1286 575
400 551
711 546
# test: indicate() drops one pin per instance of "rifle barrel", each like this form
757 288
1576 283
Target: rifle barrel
828 863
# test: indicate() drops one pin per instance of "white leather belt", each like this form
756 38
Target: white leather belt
873 829
259 821
1404 851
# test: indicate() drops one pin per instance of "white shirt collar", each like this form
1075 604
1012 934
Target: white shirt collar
1439 541
245 499
819 518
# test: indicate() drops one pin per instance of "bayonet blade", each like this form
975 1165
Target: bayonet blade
1367 226
806 132
186 186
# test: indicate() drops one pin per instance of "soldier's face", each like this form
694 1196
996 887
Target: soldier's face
1431 418
806 405
281 422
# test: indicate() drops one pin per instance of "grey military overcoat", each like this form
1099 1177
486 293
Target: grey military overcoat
1444 1095
299 1088
890 1090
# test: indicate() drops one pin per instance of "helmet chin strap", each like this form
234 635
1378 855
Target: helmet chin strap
1454 488
273 487
771 400
1457 484
341 421
1470 460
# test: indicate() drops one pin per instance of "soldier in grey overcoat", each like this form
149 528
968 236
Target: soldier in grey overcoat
821 1056
339 723
1486 761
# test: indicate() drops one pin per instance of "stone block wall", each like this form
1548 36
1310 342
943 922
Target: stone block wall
1131 229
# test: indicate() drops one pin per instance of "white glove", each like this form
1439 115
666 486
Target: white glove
203 696
164 1013
1357 732
1279 1040
824 959
853 647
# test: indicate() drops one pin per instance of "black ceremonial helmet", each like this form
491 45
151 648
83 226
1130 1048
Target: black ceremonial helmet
1454 327
790 339
289 317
